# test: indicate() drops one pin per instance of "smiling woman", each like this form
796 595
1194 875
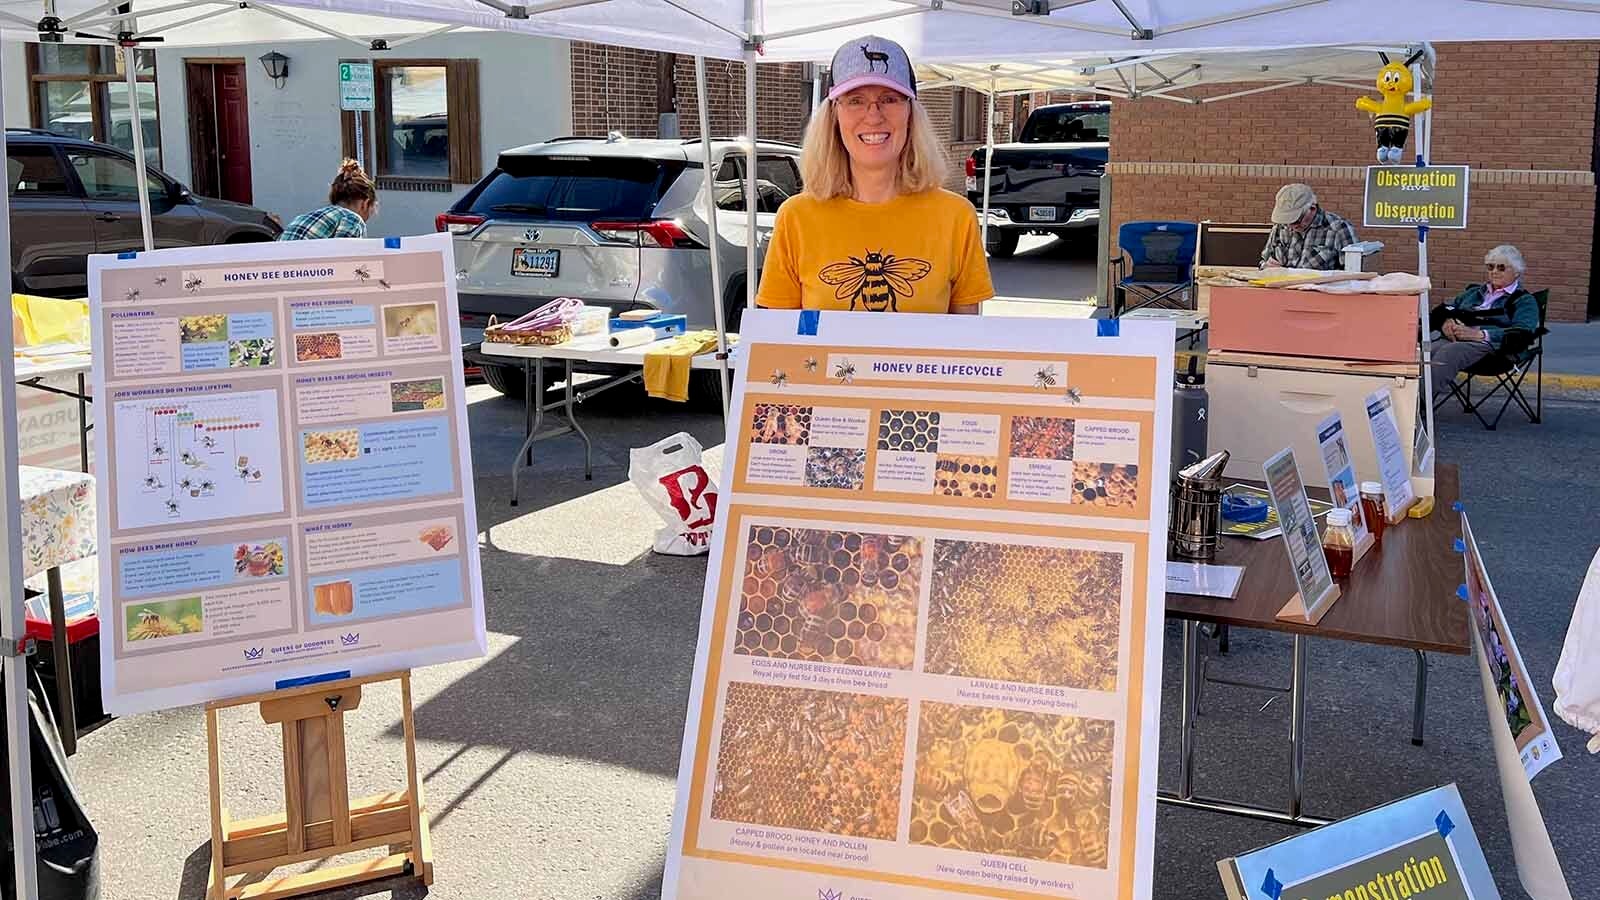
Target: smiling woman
873 230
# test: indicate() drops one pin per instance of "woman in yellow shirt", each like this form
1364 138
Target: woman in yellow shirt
873 229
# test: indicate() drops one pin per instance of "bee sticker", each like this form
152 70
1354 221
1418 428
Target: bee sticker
1045 377
877 281
161 281
845 371
780 378
192 283
1074 396
131 295
811 364
363 273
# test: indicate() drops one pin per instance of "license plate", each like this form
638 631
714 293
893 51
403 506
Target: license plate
1041 213
972 183
535 263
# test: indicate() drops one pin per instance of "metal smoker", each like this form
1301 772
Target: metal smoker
1196 516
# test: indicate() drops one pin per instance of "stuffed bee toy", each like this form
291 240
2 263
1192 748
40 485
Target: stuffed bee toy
1391 114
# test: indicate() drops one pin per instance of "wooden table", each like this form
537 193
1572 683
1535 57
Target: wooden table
1402 594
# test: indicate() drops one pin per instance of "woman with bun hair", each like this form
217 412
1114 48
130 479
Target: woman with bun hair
352 202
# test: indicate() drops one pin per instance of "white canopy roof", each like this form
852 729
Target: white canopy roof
809 30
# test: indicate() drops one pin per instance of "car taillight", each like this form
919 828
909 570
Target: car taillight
972 166
456 223
654 233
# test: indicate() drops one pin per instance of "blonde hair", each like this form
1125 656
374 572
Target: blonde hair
825 163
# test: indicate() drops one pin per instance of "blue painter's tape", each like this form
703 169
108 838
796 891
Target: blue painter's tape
1271 887
1422 234
1458 506
1443 823
1460 546
391 243
1461 591
312 679
1107 327
127 254
1420 163
809 320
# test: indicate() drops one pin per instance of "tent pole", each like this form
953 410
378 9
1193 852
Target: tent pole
13 623
1424 156
988 165
715 239
752 197
137 127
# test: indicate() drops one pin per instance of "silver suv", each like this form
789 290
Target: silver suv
614 222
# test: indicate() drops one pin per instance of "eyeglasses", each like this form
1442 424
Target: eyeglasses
885 103
1496 267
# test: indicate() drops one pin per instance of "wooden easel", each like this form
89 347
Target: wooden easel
320 820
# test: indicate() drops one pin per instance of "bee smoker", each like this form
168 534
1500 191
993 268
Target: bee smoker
1196 516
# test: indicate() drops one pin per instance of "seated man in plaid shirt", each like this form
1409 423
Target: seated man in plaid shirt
1304 235
352 200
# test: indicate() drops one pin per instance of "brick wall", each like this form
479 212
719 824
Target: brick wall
1530 149
615 89
941 106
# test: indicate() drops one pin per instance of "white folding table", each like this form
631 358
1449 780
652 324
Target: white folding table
35 365
591 350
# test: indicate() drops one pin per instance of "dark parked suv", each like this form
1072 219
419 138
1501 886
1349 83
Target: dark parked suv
71 198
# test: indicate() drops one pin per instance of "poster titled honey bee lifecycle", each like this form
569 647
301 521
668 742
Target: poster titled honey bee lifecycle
290 489
929 658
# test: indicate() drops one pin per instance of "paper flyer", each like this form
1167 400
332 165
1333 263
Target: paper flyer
1422 846
1343 487
1300 537
1398 493
929 658
287 488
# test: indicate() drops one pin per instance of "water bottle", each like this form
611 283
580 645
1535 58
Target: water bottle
1189 402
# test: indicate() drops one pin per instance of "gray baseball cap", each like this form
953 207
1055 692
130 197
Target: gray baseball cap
872 60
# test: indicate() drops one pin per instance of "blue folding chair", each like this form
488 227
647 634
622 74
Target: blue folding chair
1156 265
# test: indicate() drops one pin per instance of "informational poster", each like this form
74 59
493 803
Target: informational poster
929 657
1398 494
1300 537
1422 846
1343 488
287 489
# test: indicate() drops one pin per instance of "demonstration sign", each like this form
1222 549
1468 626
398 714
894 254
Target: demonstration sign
1408 196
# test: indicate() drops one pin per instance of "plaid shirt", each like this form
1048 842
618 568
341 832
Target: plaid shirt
1318 247
327 222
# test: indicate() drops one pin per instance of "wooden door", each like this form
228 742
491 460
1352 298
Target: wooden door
205 178
219 130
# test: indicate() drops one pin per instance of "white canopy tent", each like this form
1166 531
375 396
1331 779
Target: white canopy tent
933 31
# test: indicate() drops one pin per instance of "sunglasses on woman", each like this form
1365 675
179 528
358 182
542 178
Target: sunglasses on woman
1495 267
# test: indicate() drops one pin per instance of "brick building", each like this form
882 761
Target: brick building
1531 149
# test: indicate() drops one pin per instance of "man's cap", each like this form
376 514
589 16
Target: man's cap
1293 201
872 60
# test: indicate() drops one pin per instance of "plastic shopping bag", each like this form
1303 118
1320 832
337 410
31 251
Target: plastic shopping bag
1577 680
669 475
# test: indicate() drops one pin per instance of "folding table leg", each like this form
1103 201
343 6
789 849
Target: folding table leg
1419 705
567 406
1191 696
1297 730
66 713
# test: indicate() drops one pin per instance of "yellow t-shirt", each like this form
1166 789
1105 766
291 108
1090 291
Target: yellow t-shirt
918 253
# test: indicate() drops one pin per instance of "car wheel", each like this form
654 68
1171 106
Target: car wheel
733 304
1002 242
507 380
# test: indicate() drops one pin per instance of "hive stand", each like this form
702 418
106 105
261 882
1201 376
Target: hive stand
320 820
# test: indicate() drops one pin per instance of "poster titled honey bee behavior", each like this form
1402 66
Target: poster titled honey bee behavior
287 488
929 655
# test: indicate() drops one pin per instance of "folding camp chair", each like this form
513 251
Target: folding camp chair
1509 367
1156 265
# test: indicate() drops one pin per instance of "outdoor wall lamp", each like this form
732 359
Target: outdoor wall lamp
277 66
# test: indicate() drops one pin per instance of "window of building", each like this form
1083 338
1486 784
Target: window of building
82 91
424 131
966 121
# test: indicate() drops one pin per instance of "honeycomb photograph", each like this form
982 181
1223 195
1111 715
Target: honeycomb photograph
830 596
966 476
1035 615
1041 437
908 431
811 760
1009 783
775 423
1105 484
836 467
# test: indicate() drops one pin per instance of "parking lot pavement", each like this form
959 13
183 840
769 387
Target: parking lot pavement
549 766
1047 267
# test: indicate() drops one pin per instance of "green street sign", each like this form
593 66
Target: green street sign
355 87
1408 196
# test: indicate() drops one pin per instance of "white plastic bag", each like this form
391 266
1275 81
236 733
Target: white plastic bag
1577 680
670 476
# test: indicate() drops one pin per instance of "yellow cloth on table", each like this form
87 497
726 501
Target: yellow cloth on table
666 364
49 321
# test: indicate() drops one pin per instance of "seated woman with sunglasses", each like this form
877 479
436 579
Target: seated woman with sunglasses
1477 323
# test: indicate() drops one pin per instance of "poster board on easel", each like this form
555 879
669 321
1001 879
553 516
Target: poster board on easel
1316 589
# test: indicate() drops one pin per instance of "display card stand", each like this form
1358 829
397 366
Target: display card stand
1295 609
320 820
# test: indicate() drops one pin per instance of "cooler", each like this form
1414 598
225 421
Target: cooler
83 639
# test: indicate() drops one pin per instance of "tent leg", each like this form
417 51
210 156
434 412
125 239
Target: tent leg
12 623
752 197
714 241
1424 141
988 164
137 127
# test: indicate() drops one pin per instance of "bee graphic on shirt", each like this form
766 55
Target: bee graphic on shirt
877 281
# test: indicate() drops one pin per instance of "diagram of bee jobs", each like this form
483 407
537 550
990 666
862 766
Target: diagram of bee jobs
930 639
274 516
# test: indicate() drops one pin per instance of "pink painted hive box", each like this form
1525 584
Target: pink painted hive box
1379 327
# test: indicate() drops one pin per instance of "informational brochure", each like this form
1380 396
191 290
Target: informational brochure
1398 494
1300 536
1343 487
1422 846
929 657
288 488
1268 527
1203 579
